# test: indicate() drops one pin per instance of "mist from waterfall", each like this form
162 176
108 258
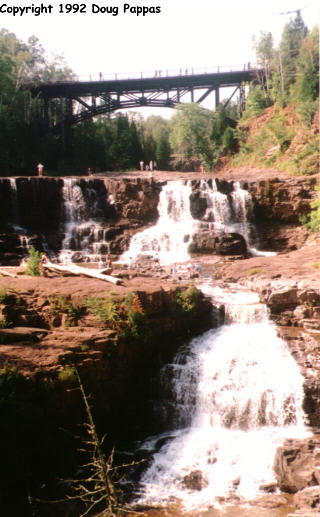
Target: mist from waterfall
237 393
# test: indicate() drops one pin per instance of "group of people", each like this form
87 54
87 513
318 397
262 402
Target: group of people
107 264
191 270
151 166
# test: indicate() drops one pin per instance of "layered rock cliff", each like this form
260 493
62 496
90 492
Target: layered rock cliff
99 215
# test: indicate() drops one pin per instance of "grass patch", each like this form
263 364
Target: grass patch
254 271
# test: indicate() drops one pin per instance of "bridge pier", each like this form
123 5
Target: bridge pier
217 93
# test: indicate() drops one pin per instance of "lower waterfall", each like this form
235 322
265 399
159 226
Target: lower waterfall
236 393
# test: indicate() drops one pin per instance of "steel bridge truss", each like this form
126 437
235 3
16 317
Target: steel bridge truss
80 101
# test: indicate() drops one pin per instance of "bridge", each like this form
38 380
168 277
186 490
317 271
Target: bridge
82 100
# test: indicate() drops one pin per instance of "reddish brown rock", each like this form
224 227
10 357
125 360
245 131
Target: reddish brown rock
297 464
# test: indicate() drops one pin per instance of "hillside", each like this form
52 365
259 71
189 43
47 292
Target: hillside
281 138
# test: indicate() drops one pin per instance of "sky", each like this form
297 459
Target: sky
198 34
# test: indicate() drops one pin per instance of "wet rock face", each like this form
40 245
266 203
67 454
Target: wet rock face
36 210
297 469
213 242
282 200
296 311
135 200
195 480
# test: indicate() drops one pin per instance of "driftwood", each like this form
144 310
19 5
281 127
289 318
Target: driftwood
6 273
78 270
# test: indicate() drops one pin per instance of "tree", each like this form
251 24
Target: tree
265 54
289 49
190 130
163 153
307 83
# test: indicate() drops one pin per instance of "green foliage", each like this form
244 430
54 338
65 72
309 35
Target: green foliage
21 133
257 101
4 323
229 140
33 263
312 221
190 130
254 271
187 299
198 133
163 153
104 309
62 304
136 326
3 295
68 375
11 382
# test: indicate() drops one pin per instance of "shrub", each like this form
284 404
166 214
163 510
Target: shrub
3 295
11 381
136 325
68 375
33 263
4 323
187 299
64 305
104 309
312 221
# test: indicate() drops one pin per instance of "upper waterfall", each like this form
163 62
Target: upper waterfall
171 236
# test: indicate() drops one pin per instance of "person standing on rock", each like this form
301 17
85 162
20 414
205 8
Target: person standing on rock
40 169
141 163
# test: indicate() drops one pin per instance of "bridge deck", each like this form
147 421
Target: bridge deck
71 89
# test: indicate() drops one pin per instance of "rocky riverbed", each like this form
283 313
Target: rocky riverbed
41 343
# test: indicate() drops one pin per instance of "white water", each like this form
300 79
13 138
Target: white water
171 236
238 394
83 234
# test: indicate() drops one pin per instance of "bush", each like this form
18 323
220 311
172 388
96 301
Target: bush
104 309
3 295
33 264
187 299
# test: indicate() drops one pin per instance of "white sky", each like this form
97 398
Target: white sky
186 34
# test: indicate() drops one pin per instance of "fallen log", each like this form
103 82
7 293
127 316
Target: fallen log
78 270
6 273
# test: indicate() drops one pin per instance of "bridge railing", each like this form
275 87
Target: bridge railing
183 71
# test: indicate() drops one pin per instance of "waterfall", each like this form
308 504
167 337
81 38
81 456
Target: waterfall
14 201
171 236
237 393
218 206
84 237
234 212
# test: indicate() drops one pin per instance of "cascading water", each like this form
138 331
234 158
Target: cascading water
233 405
232 215
85 238
170 237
